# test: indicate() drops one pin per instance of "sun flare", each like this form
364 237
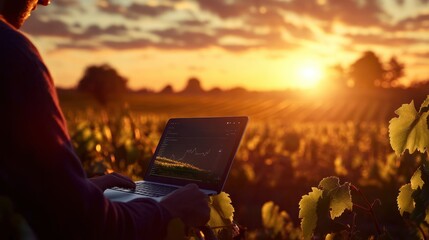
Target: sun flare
309 75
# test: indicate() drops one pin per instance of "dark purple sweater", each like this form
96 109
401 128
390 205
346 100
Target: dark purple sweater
39 170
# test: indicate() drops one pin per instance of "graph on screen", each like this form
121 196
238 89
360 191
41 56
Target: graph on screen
190 158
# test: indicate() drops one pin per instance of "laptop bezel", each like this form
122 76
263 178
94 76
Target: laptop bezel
181 182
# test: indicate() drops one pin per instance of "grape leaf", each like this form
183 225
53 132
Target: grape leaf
339 195
308 212
221 210
341 199
405 199
416 180
273 219
329 183
410 129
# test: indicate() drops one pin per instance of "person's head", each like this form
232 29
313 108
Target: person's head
15 12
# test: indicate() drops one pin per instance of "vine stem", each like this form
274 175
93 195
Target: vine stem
353 226
370 208
361 207
422 232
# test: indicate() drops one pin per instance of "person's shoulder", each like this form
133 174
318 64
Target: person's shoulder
14 43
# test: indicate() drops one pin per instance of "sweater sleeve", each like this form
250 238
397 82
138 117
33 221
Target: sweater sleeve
39 168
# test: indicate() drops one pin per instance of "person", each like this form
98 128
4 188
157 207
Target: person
39 170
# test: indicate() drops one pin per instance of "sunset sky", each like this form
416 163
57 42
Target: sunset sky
258 44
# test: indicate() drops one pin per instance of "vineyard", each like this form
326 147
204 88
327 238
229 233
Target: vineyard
291 144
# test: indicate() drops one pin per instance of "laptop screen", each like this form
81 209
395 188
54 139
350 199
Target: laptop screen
197 150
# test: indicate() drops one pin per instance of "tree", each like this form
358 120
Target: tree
367 70
167 90
103 83
193 87
394 71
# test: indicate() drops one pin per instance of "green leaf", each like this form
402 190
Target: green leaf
341 199
405 199
221 211
410 129
329 183
416 180
308 212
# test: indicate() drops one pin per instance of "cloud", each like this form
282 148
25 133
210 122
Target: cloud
352 12
129 44
422 55
384 41
271 18
137 10
59 28
274 20
109 7
224 9
54 28
66 3
134 10
94 31
193 23
413 23
238 32
78 46
185 39
172 38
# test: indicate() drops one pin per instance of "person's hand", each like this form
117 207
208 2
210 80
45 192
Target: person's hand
189 204
113 180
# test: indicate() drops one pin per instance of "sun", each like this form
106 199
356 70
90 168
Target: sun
308 75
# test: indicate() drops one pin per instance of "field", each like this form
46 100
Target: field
292 142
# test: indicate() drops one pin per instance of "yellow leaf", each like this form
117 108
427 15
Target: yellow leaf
308 212
221 210
341 199
410 129
329 183
405 200
416 180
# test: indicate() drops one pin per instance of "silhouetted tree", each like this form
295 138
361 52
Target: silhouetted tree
215 90
103 83
145 91
366 71
193 87
394 71
167 90
237 90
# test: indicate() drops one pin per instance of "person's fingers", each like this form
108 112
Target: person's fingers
123 177
121 181
113 180
200 214
188 203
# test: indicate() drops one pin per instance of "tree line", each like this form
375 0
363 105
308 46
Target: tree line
104 83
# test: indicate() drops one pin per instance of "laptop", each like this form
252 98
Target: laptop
191 150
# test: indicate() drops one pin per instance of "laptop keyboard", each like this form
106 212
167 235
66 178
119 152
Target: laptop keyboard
149 189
